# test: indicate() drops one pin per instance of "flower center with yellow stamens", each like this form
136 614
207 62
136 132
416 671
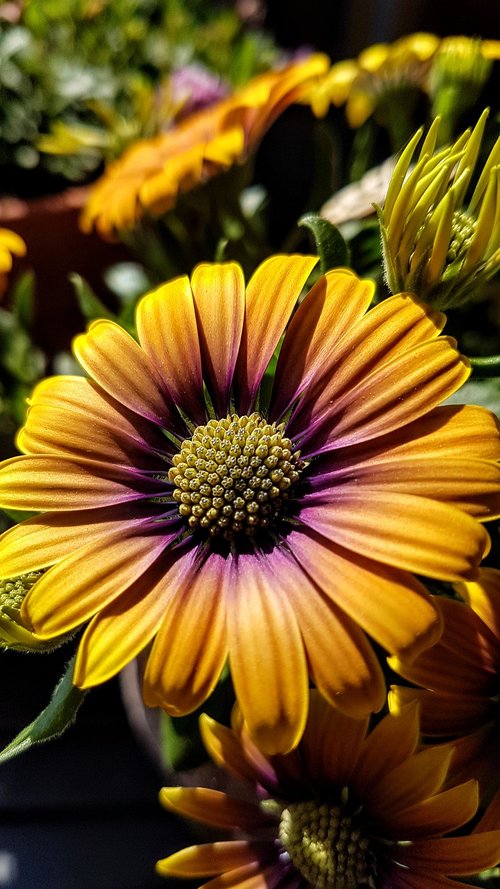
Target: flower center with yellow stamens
464 227
234 475
326 845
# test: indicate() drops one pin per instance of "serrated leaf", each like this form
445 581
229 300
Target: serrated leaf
332 249
59 714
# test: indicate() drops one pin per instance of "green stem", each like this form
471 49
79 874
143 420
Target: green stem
486 367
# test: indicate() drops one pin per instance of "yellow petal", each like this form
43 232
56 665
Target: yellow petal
390 605
211 858
46 539
166 325
124 627
118 364
416 534
267 659
271 295
53 483
190 649
334 305
90 578
219 298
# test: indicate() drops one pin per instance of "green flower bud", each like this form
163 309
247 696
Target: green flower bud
433 244
14 633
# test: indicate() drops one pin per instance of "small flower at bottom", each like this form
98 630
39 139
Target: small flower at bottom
459 681
182 504
347 808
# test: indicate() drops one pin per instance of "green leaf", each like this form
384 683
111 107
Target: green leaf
23 298
332 249
91 306
53 721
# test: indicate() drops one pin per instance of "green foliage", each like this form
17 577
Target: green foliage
57 716
80 79
21 363
332 248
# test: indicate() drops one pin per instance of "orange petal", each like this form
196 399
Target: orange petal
393 740
190 649
462 663
124 627
334 305
212 807
91 577
471 485
456 856
267 659
418 777
413 533
390 605
166 324
435 435
443 813
46 539
211 858
418 878
271 295
442 714
484 597
399 392
341 661
71 416
331 744
119 365
225 748
219 298
251 876
56 483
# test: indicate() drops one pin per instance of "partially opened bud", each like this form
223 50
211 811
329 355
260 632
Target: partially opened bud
434 244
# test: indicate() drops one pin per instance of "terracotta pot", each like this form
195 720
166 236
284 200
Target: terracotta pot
55 248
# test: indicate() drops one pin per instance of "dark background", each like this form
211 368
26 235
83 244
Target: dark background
82 812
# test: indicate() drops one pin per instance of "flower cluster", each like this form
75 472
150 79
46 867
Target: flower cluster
347 808
268 476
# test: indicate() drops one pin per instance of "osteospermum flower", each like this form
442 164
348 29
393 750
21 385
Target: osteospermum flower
461 680
10 245
181 501
434 244
382 74
150 175
347 808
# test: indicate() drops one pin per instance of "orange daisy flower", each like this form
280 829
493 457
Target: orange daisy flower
347 808
461 679
180 500
152 172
